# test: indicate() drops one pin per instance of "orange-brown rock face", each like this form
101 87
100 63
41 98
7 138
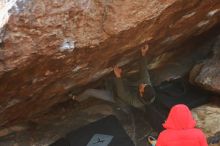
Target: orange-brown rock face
49 48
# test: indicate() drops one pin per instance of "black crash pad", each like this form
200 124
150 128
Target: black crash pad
105 132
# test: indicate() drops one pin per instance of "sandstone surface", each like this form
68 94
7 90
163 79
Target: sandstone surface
51 48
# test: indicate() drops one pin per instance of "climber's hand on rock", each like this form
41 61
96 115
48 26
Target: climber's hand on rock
117 71
144 50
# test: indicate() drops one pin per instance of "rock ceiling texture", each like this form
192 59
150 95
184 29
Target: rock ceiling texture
49 48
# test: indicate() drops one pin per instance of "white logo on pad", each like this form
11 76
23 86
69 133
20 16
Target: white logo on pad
100 140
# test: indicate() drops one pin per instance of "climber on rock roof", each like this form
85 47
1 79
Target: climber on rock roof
137 96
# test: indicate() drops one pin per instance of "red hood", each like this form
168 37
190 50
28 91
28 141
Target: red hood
179 117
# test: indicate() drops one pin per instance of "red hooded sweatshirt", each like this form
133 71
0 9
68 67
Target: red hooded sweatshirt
180 129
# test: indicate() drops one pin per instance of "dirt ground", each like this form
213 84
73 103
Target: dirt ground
63 118
44 130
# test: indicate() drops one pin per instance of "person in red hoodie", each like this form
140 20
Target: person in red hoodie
180 129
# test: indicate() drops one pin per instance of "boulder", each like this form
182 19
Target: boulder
208 118
51 48
207 73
